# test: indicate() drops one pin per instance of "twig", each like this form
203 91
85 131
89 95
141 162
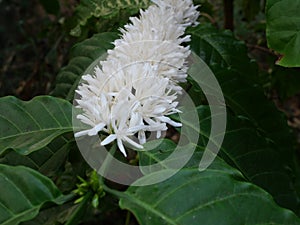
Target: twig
128 218
7 62
263 49
210 18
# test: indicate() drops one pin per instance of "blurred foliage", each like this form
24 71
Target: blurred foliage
47 45
104 15
41 31
34 45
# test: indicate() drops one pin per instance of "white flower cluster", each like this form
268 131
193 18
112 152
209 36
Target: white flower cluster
135 88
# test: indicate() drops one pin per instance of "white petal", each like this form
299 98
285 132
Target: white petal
134 144
85 120
136 128
159 110
81 133
158 134
169 121
121 147
109 139
157 126
96 129
142 137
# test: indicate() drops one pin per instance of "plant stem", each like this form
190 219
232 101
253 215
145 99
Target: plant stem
80 211
128 218
107 161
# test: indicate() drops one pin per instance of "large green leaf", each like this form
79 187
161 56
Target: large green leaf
23 192
248 100
283 35
259 160
236 74
105 9
47 160
259 147
217 195
30 126
84 55
221 48
57 214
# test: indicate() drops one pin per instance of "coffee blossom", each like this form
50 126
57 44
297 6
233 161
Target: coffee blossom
135 89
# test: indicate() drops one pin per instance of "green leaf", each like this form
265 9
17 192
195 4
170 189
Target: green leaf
243 148
237 77
283 35
84 55
241 95
260 161
30 126
256 139
217 195
57 214
78 214
221 48
24 192
105 9
47 160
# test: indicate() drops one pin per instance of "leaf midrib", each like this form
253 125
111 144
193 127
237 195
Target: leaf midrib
218 200
65 129
133 199
33 209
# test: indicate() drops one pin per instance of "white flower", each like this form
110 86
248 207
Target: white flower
184 11
136 87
